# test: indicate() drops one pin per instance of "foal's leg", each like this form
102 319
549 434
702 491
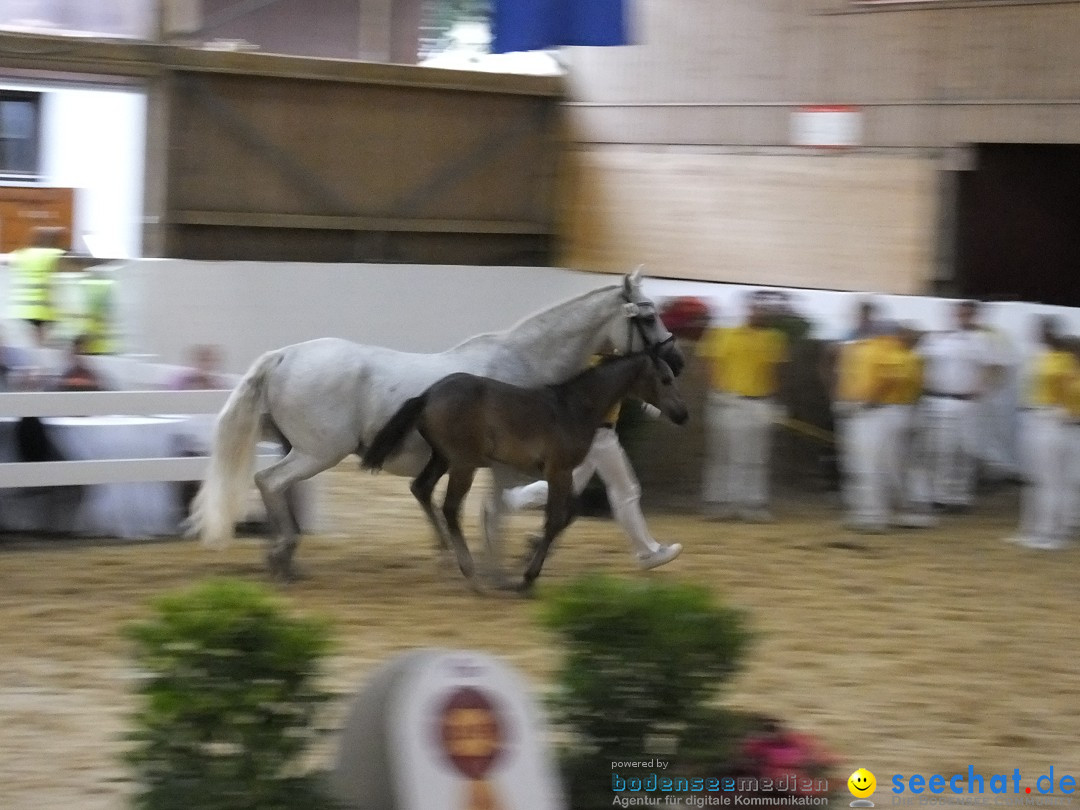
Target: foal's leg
422 488
461 480
273 483
558 514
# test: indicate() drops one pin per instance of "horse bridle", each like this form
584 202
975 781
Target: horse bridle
636 313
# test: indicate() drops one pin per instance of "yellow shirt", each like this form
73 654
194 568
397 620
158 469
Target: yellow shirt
853 373
1072 397
880 371
612 416
909 377
743 360
1052 372
904 372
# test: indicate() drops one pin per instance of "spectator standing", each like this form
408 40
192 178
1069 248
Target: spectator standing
31 292
744 363
1045 500
961 365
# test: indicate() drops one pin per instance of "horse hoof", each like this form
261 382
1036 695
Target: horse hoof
282 570
525 588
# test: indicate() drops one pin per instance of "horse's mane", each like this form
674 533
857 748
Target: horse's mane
536 319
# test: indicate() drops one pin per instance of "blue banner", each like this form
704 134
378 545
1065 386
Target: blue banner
532 25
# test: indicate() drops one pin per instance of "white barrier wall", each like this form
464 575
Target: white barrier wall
250 307
166 305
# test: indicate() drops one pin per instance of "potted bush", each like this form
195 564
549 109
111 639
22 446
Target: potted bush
228 701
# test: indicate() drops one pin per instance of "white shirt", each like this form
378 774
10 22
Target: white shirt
957 361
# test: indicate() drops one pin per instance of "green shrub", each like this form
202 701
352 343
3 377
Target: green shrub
228 701
643 661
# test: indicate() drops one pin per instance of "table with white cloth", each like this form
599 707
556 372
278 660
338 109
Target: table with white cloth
125 510
131 509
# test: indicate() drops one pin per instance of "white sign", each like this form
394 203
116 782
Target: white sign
469 737
447 730
826 126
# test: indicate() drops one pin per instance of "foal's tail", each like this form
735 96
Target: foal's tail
222 496
393 433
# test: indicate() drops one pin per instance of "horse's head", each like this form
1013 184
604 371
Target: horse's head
638 327
656 385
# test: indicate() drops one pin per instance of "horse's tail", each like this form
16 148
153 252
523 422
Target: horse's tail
393 433
222 496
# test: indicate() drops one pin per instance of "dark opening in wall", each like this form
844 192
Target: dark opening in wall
1018 224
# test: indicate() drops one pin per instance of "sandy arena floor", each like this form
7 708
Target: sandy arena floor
915 652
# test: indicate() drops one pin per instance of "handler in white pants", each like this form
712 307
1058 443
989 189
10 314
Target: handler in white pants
744 364
960 365
746 427
882 378
1072 446
607 459
1045 500
836 375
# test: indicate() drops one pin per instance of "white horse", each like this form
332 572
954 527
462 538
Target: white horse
327 398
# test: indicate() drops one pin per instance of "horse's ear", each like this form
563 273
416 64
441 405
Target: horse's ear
631 281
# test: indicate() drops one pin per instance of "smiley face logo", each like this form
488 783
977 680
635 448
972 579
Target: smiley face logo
862 783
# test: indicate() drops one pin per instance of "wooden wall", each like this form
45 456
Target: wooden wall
842 222
275 158
265 158
683 143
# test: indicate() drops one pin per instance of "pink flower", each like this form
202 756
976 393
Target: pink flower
780 755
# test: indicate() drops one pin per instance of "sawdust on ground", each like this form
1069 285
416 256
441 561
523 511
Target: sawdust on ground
913 652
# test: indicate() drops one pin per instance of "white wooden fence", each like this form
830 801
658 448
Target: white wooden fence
147 400
105 403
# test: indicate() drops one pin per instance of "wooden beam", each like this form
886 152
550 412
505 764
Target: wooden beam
250 219
73 55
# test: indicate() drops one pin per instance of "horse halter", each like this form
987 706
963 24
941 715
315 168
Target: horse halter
636 314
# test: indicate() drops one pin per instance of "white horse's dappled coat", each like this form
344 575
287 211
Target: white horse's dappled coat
327 398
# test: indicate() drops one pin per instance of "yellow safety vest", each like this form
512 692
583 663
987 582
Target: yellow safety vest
31 283
99 329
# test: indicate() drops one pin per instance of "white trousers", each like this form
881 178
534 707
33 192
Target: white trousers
1071 443
952 440
917 461
607 459
845 449
875 462
1046 497
883 458
737 451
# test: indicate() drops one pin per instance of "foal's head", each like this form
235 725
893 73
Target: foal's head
656 385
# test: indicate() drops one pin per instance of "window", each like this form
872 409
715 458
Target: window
20 134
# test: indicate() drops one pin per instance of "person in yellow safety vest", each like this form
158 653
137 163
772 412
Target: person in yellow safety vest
100 322
31 282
